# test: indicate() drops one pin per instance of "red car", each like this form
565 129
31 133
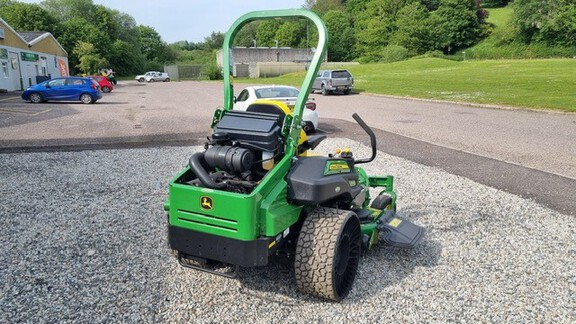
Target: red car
105 85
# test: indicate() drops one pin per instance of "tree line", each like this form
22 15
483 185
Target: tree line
383 30
366 30
94 36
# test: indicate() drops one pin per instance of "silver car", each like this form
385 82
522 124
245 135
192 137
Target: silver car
328 81
153 76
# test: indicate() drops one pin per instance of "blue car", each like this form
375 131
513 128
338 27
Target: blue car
69 88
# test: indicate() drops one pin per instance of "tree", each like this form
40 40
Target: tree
90 62
413 31
78 29
455 25
125 59
107 21
549 21
65 10
323 6
289 34
266 34
340 35
375 25
127 31
214 41
151 44
28 17
245 37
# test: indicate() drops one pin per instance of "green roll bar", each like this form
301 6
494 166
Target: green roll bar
310 75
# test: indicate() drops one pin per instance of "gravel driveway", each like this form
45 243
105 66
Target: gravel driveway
82 238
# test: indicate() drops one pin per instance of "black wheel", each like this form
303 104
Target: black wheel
324 91
382 202
308 127
328 253
152 80
86 98
347 91
167 80
106 89
35 98
141 80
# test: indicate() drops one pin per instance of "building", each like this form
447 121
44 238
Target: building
267 61
28 58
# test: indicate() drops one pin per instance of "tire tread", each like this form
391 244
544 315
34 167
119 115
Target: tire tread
316 249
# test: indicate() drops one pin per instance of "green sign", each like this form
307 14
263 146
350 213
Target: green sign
3 53
29 56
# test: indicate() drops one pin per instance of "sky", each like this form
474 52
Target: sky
190 20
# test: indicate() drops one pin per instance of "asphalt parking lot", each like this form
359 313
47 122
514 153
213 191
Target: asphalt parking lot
82 229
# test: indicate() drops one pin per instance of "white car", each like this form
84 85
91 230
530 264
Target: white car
285 94
153 76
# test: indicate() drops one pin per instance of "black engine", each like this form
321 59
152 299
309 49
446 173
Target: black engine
242 148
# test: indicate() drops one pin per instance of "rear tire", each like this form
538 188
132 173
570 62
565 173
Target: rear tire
152 80
106 89
35 98
167 80
86 98
328 253
324 91
347 91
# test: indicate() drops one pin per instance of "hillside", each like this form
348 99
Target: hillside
541 84
502 43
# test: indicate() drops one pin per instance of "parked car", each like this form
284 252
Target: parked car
328 81
153 76
285 94
86 90
104 83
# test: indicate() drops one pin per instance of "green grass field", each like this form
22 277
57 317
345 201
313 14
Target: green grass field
541 84
499 16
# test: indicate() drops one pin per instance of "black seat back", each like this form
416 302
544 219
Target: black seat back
267 109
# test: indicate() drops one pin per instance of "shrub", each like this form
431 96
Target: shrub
390 53
213 71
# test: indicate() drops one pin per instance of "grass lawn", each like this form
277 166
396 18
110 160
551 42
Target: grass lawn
499 16
543 84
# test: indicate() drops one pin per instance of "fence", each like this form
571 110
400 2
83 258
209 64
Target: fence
181 72
272 69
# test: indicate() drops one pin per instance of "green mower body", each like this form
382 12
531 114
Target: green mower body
229 206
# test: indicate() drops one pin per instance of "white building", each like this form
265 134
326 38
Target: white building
27 58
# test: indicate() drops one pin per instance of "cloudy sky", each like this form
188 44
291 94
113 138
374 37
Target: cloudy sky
190 20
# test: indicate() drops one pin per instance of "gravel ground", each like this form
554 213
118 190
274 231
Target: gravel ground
82 239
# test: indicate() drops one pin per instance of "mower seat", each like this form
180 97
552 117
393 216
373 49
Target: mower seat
267 108
281 110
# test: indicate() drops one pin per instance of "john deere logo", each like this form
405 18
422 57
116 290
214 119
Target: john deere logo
206 202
